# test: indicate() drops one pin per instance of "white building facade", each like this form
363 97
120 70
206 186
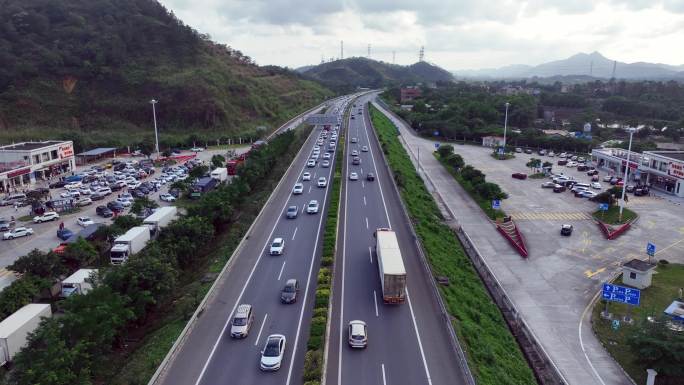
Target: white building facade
22 164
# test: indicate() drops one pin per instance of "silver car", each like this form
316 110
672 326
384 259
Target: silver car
242 321
358 334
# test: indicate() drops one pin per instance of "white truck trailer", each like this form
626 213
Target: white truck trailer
129 244
220 174
80 282
390 266
160 218
14 329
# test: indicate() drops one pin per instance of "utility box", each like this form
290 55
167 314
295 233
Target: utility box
637 273
14 329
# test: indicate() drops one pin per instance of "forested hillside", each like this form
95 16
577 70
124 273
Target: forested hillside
86 69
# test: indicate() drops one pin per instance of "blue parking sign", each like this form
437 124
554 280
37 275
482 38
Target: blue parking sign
496 204
436 145
603 206
650 249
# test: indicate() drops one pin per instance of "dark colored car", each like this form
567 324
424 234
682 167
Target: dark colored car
582 168
289 292
566 230
58 184
614 180
97 196
630 188
562 162
370 177
137 193
4 225
104 212
519 175
559 188
119 166
641 191
115 187
64 234
175 192
115 206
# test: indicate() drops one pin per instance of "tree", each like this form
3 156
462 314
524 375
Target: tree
140 204
455 160
218 160
198 171
39 264
534 163
78 254
657 346
490 191
184 237
473 175
445 150
21 292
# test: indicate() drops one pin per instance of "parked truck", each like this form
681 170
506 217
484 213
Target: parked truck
87 233
390 266
160 218
14 329
129 244
220 174
202 186
80 282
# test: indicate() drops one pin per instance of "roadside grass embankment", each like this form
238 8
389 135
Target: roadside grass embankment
493 354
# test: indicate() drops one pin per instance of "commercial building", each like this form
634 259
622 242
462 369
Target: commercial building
410 93
21 164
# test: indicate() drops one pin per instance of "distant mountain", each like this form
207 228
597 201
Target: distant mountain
346 74
582 64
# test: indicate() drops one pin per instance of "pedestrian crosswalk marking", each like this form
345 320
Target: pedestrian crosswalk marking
551 216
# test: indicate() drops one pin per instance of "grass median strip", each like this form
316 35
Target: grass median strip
493 354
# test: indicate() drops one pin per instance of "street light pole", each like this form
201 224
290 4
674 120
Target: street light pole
505 126
624 181
156 135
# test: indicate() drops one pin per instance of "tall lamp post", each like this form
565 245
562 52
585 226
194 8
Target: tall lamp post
624 181
156 135
505 126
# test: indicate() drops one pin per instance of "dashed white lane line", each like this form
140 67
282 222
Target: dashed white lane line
370 254
256 342
366 222
295 233
282 268
375 299
364 201
384 378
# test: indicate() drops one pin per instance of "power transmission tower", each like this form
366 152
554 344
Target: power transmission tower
369 51
341 49
614 67
591 68
394 56
421 54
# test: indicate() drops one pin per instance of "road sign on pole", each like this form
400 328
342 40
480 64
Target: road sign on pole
436 145
496 204
621 294
603 206
650 249
501 151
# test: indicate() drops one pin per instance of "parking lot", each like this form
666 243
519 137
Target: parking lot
45 234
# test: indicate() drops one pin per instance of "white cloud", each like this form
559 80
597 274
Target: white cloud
456 34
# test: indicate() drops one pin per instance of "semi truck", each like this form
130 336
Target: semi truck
220 174
14 329
129 244
160 218
390 266
202 186
80 282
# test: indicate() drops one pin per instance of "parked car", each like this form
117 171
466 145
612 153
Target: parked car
84 202
272 355
630 188
566 230
57 184
115 206
559 188
592 172
17 233
607 178
289 292
594 178
104 212
562 162
46 217
97 196
518 149
519 175
166 197
548 185
641 191
358 334
64 233
84 221
588 194
596 185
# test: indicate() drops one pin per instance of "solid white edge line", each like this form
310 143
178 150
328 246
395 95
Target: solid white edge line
384 378
261 329
420 344
370 254
282 268
375 299
579 332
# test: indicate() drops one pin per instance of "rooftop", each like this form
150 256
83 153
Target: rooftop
28 146
678 155
97 151
637 264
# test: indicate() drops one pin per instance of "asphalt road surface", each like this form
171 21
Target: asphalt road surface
209 355
407 343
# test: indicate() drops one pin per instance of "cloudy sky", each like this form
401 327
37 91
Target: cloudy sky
457 34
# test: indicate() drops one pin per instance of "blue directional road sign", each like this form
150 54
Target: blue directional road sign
501 150
603 206
621 294
436 133
496 204
650 249
436 145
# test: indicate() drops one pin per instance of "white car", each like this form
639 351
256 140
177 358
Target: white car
315 155
272 355
306 176
197 149
73 185
325 163
364 149
326 156
105 190
17 233
311 163
588 194
49 216
167 197
124 202
70 194
596 185
358 334
571 164
353 176
84 202
354 140
85 191
354 153
84 221
317 149
312 207
277 246
322 182
298 189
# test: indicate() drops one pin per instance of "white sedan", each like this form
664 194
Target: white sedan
84 221
322 182
596 185
298 189
166 197
312 207
306 176
17 233
277 246
272 355
353 176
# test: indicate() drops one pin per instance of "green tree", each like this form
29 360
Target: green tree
445 150
490 191
39 264
534 163
455 160
78 254
198 171
20 293
218 160
139 204
184 237
657 346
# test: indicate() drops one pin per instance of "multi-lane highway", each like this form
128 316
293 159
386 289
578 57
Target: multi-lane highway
407 343
209 355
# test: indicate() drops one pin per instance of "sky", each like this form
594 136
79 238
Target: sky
456 34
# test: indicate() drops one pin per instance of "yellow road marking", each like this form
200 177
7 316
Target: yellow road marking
590 273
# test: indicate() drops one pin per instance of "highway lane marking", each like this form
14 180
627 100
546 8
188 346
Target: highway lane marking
244 287
375 168
256 342
384 378
295 233
420 344
370 254
364 201
363 185
366 222
375 299
282 268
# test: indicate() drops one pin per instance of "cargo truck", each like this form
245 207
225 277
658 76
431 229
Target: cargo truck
14 329
160 218
202 186
390 266
220 174
129 244
80 282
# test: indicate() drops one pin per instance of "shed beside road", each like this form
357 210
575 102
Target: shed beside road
95 154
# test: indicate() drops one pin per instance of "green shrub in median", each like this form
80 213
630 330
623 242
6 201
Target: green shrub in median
492 352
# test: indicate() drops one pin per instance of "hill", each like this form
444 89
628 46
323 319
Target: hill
348 74
593 65
86 70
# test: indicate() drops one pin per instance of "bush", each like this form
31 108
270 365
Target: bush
313 360
327 261
445 150
322 297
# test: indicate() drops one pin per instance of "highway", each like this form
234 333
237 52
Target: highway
209 355
407 343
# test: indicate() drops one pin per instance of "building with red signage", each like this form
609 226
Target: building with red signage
22 164
410 93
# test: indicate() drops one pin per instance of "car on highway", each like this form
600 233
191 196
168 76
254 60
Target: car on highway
519 175
64 233
298 189
548 185
84 221
353 176
356 161
325 163
17 233
358 334
104 212
354 153
292 212
46 217
354 140
315 155
312 207
566 230
289 292
242 321
273 353
277 247
596 185
322 182
306 176
311 163
364 149
370 177
327 156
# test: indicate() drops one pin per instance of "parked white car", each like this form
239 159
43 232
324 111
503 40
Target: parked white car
49 216
84 221
18 233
